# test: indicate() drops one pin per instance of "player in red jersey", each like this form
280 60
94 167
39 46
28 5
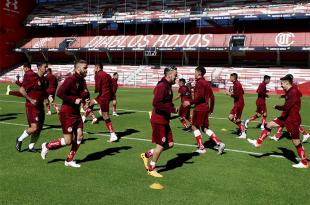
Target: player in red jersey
16 93
160 119
290 118
72 92
236 111
114 88
33 89
103 86
185 94
51 91
204 106
261 108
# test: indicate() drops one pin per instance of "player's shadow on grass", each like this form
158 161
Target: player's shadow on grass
107 152
47 127
88 139
126 133
9 116
288 154
182 158
125 113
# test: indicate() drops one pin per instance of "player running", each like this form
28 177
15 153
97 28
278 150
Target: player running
236 112
16 93
204 105
51 90
185 94
72 92
114 88
261 108
33 89
290 118
160 120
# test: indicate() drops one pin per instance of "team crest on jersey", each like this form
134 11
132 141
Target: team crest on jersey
163 139
69 129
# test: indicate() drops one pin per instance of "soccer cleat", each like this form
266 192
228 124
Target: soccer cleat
242 136
49 113
113 137
221 148
300 165
18 145
83 118
245 123
254 143
201 151
115 114
95 120
154 173
44 151
189 129
8 89
33 150
262 127
274 138
72 164
306 137
145 160
82 110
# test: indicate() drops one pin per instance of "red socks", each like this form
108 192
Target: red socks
108 124
74 148
302 154
56 144
303 131
184 123
263 136
197 135
264 120
253 117
279 132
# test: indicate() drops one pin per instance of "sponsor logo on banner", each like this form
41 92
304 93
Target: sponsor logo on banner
285 39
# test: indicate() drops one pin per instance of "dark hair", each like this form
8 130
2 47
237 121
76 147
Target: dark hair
27 65
235 75
39 64
201 70
288 77
114 74
99 65
266 77
79 61
169 68
182 80
49 70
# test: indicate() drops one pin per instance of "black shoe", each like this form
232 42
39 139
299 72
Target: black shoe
18 145
189 129
33 150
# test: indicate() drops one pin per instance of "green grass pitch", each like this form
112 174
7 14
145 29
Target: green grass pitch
114 174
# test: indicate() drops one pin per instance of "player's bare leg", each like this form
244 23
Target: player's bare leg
214 138
264 134
253 117
52 102
238 122
114 102
90 110
201 148
183 122
278 135
48 107
108 123
34 127
152 165
301 153
74 147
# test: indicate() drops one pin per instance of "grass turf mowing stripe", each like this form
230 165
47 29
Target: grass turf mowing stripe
146 140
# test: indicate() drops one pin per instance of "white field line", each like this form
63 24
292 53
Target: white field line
143 111
146 140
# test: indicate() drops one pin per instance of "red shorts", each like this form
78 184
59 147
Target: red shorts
70 123
161 134
291 127
104 104
51 92
185 111
114 97
201 119
237 111
261 108
35 114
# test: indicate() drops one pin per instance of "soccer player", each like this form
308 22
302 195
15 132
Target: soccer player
114 87
103 86
302 131
16 93
261 108
290 118
236 111
185 94
204 105
160 119
72 92
33 89
51 90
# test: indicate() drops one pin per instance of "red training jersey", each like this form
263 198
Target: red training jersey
52 82
238 93
35 86
103 85
261 94
185 93
114 85
71 89
162 103
203 96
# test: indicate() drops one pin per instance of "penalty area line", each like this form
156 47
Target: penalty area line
147 140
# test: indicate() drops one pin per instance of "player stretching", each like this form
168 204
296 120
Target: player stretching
51 90
33 89
160 119
16 93
185 94
236 111
103 86
114 87
72 93
204 105
261 108
290 119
